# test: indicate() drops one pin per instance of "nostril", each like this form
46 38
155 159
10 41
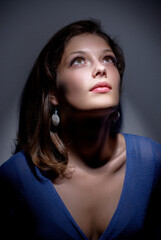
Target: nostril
100 72
104 72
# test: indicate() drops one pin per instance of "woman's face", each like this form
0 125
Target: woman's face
87 77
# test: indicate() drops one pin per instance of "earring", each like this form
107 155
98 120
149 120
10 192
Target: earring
55 118
116 116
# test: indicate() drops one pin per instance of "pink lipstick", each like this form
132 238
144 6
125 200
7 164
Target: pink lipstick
101 87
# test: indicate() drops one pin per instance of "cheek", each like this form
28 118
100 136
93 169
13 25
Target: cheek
115 76
71 81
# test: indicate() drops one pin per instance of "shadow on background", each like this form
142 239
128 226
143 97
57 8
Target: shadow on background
26 26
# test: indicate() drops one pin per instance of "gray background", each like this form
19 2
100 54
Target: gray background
26 26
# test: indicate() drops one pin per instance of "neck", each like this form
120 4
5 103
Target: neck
87 137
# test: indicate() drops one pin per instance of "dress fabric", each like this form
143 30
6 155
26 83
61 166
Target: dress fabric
31 208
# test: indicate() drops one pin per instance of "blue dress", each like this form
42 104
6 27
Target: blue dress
31 208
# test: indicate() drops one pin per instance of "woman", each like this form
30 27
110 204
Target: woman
73 174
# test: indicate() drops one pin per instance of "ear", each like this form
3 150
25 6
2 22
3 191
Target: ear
53 99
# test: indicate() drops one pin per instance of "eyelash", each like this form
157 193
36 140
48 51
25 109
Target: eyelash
76 58
114 60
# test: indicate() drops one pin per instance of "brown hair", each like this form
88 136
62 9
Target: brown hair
36 135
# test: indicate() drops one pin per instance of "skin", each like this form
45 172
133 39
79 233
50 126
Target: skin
97 162
90 67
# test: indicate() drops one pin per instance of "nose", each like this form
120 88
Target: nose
99 71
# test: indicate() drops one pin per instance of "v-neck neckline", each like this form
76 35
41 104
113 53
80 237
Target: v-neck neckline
121 201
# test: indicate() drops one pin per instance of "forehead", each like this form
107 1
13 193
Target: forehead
86 41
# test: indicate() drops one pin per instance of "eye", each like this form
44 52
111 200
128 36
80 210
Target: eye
77 61
110 59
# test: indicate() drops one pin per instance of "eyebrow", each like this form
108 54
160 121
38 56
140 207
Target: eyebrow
107 50
76 52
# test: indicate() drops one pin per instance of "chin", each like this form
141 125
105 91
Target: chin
95 105
112 105
99 110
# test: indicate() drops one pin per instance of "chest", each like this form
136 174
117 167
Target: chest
92 200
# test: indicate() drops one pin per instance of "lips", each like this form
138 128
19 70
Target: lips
101 87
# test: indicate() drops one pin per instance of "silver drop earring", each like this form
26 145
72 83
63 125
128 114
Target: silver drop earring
116 117
55 118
